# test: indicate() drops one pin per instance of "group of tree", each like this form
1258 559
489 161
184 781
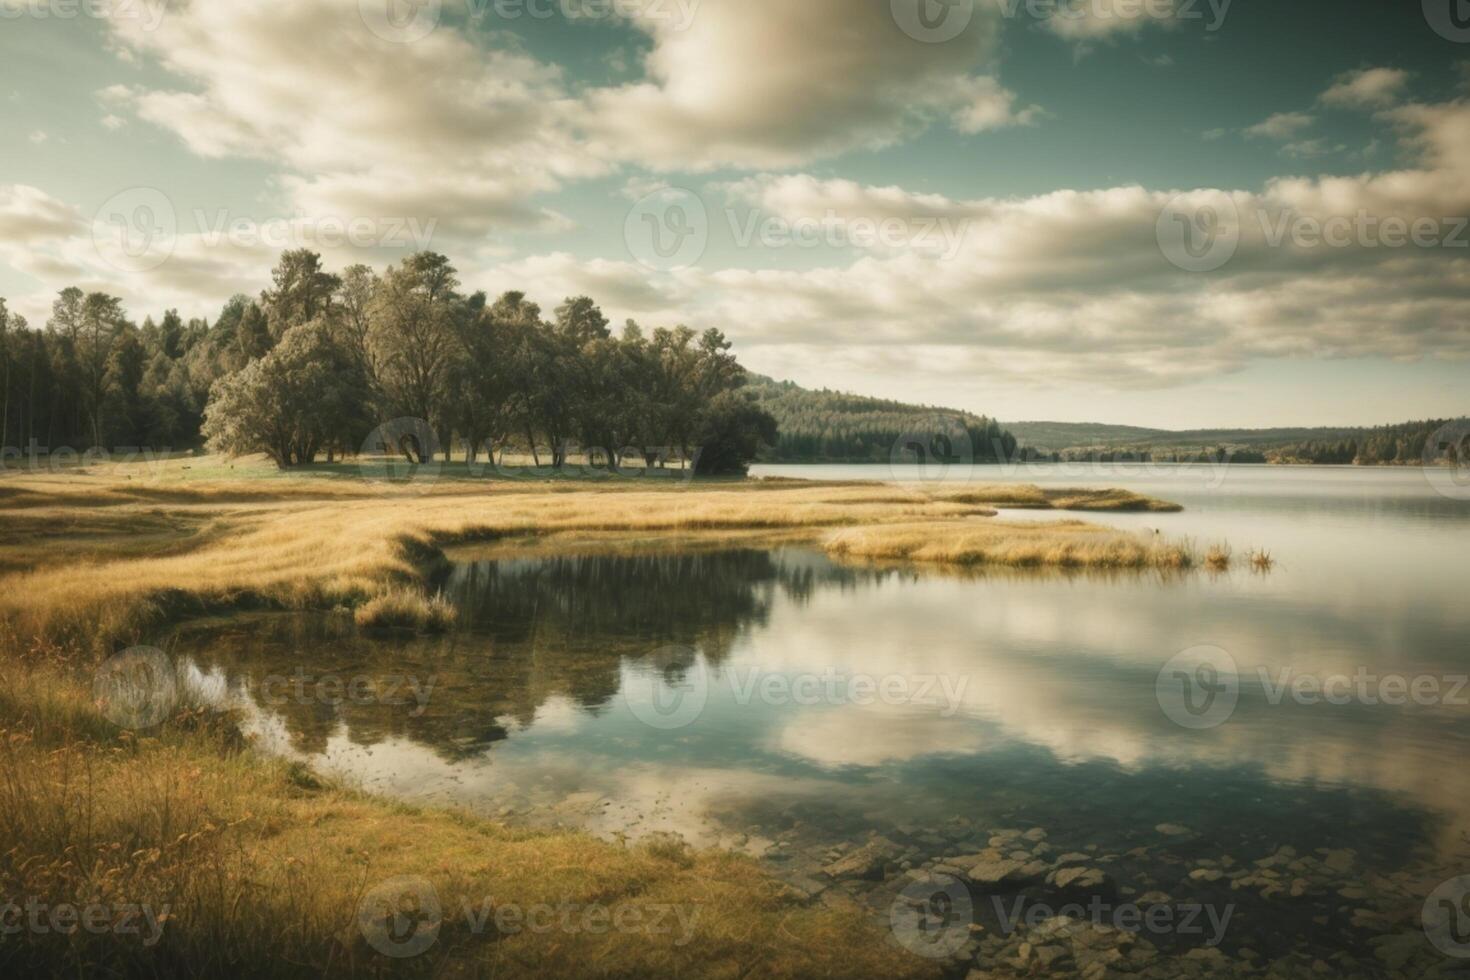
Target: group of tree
92 378
318 363
1401 444
1385 445
834 427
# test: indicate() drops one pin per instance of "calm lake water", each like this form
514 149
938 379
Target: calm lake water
1171 730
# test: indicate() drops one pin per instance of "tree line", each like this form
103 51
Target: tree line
1389 444
316 365
1401 444
835 427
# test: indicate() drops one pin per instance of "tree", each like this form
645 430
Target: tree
732 432
253 336
171 335
127 413
303 291
102 319
580 321
5 379
482 378
354 313
414 339
306 395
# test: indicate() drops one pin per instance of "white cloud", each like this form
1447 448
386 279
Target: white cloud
29 216
988 105
771 83
439 128
1368 88
1281 126
1095 20
1073 286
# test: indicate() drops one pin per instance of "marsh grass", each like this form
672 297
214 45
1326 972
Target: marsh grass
406 609
308 543
1261 560
1024 496
1012 545
1219 557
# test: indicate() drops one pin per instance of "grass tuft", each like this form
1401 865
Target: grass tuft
1219 557
406 609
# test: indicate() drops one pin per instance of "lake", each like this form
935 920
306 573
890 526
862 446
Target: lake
1286 749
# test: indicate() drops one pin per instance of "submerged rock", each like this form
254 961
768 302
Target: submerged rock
866 863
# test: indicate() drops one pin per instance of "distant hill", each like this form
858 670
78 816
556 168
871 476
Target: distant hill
824 426
837 427
1401 443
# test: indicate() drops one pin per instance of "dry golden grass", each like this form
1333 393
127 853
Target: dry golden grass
1070 544
302 543
1219 557
406 609
1029 497
260 870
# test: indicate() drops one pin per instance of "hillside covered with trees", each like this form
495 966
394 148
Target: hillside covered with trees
835 427
319 362
1363 446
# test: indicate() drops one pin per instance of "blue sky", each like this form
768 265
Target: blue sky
979 220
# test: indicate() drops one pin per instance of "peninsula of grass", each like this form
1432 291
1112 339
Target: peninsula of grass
260 862
108 554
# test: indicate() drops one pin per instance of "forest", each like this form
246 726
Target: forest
318 364
834 427
1403 443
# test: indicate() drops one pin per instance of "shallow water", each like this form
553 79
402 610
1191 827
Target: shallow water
776 702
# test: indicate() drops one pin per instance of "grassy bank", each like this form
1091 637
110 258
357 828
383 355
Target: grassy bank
1070 544
247 860
250 866
106 555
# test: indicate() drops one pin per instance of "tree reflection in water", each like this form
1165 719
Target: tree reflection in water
529 629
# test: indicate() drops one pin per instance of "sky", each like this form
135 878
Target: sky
1169 213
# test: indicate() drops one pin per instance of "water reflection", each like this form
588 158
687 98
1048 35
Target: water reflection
1021 700
531 697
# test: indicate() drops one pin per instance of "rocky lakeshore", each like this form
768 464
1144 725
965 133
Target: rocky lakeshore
1016 902
1159 902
